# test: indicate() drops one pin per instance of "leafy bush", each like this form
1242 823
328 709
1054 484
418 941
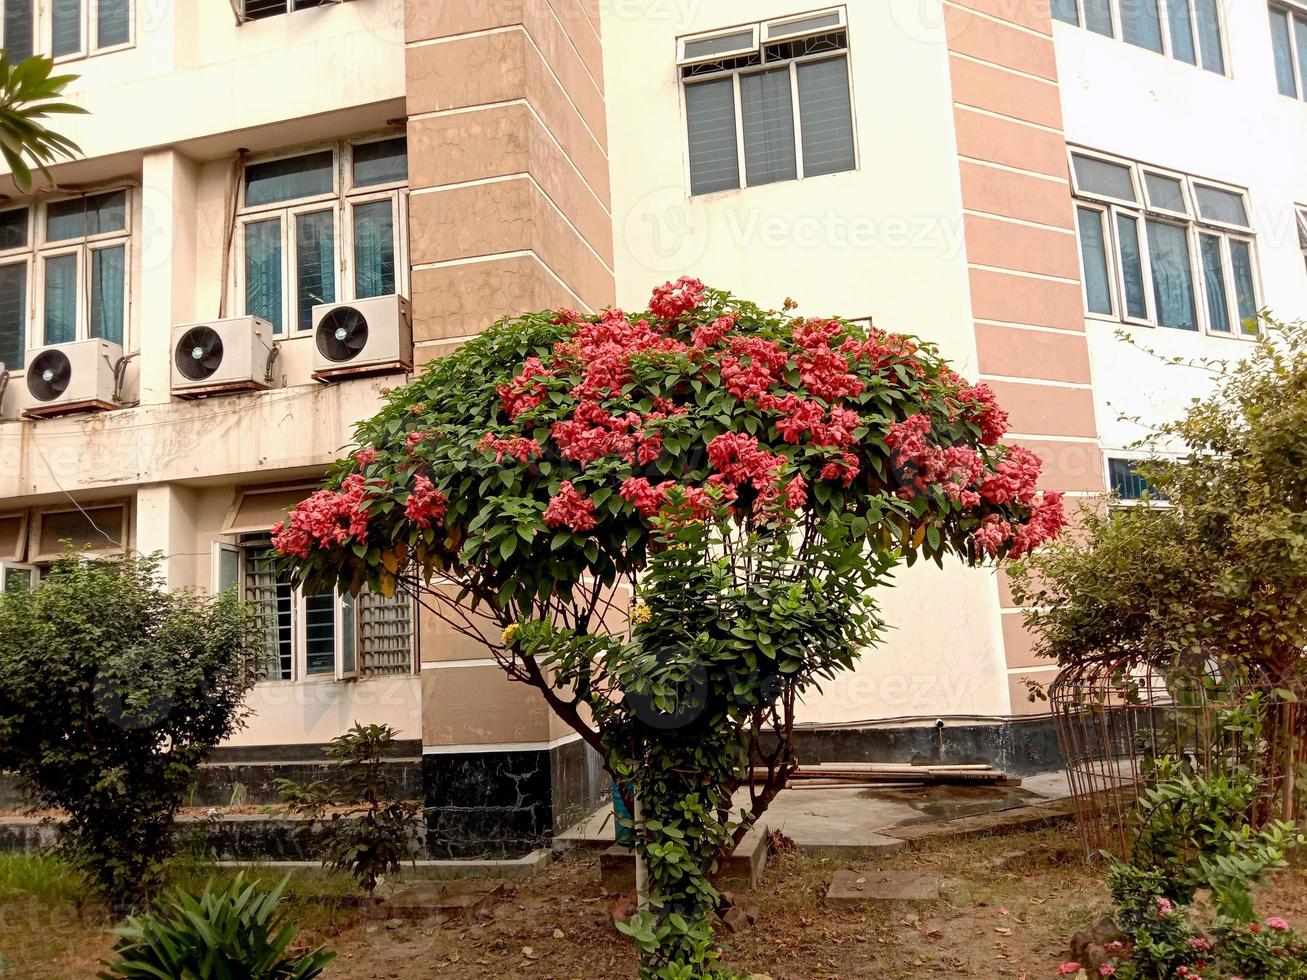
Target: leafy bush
112 691
367 831
224 933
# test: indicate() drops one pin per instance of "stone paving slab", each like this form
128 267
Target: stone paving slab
1010 821
857 888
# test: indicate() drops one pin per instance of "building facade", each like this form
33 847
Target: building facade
1015 180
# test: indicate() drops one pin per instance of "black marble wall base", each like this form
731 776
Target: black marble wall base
504 804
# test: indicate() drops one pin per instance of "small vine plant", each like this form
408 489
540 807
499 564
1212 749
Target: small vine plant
670 522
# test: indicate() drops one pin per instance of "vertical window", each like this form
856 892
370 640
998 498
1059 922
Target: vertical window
1182 31
272 598
61 299
1183 252
1093 255
113 23
1141 25
14 266
322 227
1208 20
65 27
1127 483
20 29
776 94
108 277
1065 10
1282 45
320 634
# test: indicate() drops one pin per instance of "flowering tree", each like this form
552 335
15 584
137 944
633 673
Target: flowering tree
744 474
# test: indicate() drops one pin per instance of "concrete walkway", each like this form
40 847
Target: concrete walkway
858 819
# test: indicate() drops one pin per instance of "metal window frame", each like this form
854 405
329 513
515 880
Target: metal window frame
1216 185
841 24
93 29
1186 192
682 59
1104 213
1078 191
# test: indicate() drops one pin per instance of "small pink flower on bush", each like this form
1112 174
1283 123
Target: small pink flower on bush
1200 944
1115 946
1068 968
674 298
365 457
1107 970
425 503
1278 924
570 508
1164 907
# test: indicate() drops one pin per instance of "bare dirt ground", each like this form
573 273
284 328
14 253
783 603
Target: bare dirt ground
1001 916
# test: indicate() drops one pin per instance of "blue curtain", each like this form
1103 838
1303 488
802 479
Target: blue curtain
66 26
1182 31
263 288
1218 304
113 23
19 27
1093 253
768 110
61 299
1283 53
108 302
1098 17
374 249
1132 267
1209 36
1241 257
1173 277
1141 24
13 315
315 264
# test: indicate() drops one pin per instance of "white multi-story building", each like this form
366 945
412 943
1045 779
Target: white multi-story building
1014 180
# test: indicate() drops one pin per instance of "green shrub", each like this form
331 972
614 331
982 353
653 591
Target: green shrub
222 934
366 831
112 691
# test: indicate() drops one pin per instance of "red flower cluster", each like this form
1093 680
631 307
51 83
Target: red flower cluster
1046 521
525 391
825 372
519 447
649 500
365 457
327 518
921 464
592 433
753 367
1014 479
982 409
739 461
672 299
571 509
425 504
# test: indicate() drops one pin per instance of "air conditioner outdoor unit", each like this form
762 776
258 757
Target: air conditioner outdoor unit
363 336
77 377
223 356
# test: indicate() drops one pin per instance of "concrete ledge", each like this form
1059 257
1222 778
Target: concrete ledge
522 867
1009 821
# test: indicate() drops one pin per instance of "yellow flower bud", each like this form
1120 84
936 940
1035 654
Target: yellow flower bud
510 631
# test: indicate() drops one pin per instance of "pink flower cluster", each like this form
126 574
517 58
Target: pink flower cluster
824 371
739 462
527 390
426 504
672 299
571 509
327 518
1047 518
518 447
921 464
649 499
592 433
753 367
365 457
981 407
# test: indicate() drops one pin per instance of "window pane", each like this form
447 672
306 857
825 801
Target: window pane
320 633
768 109
1096 176
1245 292
1209 36
348 635
95 214
1066 10
17 579
18 29
13 315
1218 305
708 47
826 117
374 249
108 267
286 180
65 220
1098 16
1165 192
1093 253
315 264
273 605
1173 285
61 299
1181 30
383 162
66 26
803 25
710 121
1132 267
13 228
1215 204
385 633
106 212
1283 53
1126 481
228 570
1141 25
113 23
263 271
256 9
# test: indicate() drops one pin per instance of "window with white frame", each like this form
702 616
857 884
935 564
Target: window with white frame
1289 49
767 102
64 272
1128 484
1163 248
66 29
1301 211
1187 30
258 9
327 635
323 226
